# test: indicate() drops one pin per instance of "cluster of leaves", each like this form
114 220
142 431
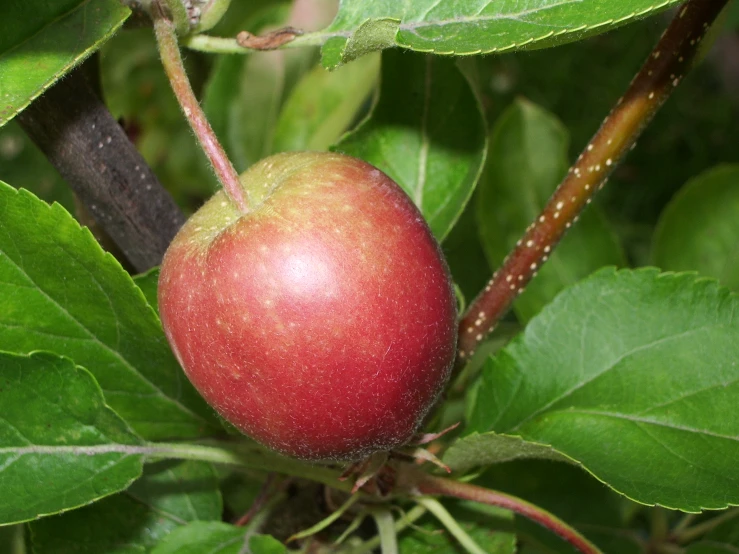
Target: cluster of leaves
627 375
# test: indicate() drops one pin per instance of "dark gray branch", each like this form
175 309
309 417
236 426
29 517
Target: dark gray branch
75 130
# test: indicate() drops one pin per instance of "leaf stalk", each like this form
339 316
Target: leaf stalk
425 484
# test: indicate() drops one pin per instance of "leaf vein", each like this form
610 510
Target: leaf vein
124 362
608 368
645 421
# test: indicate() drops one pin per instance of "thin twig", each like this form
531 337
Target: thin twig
169 51
660 74
227 45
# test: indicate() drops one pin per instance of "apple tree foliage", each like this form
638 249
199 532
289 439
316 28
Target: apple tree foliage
609 395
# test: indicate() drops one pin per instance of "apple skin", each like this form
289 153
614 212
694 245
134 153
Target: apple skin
323 322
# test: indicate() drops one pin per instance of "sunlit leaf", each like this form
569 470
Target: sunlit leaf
634 375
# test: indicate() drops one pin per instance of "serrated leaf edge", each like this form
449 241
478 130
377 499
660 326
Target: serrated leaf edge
658 275
321 37
564 457
75 61
57 209
139 449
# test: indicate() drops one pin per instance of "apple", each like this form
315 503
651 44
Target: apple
322 323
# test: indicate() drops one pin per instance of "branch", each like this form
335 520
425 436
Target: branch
250 43
660 74
79 136
169 51
423 483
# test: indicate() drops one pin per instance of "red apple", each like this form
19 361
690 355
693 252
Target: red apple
322 323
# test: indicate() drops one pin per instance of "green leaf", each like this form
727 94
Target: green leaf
323 105
240 489
60 292
60 446
527 158
468 27
170 494
41 41
185 491
264 544
710 547
12 539
464 254
487 526
427 133
723 539
216 537
147 283
251 104
490 448
732 16
428 538
571 494
728 531
635 375
244 94
699 229
237 14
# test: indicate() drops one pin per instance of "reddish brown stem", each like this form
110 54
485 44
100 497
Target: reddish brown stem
169 51
660 74
424 483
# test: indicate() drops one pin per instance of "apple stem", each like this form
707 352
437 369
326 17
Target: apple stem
169 51
661 73
425 484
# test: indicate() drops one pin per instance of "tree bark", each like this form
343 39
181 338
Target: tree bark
88 147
